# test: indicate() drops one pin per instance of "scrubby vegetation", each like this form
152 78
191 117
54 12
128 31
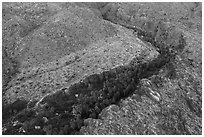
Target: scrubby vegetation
64 112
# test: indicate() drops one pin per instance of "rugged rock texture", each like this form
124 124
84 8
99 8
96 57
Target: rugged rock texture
18 21
102 68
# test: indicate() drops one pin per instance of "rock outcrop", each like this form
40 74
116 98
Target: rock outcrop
100 68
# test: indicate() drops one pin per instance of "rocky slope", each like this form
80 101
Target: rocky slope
102 68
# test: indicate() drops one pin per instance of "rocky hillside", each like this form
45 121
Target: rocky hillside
102 68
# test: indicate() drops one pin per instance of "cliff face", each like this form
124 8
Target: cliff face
102 68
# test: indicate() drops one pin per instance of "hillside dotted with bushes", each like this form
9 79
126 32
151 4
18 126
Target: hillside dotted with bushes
100 68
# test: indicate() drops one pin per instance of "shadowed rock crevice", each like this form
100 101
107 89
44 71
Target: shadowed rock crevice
87 98
65 111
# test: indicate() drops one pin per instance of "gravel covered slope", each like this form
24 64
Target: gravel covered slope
102 68
178 83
